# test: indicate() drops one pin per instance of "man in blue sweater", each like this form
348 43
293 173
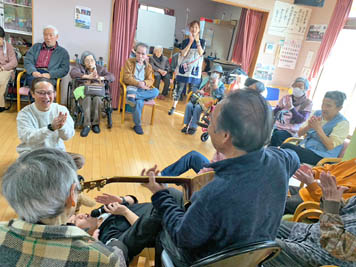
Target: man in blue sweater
47 59
244 202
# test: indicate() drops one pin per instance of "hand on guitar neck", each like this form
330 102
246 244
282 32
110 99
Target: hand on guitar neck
152 185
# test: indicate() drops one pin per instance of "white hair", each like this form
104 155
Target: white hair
51 27
38 184
158 47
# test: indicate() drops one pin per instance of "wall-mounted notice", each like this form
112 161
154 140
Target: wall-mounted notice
82 17
289 19
289 54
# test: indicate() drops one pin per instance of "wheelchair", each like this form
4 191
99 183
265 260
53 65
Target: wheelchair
76 110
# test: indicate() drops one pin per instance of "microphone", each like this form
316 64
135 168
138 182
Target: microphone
95 213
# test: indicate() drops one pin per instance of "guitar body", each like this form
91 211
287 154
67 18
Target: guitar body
189 184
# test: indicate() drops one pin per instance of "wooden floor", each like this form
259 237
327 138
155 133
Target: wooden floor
116 151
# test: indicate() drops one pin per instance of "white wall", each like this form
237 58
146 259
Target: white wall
229 12
75 40
198 8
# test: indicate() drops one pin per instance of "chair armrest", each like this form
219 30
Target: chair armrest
297 140
328 160
307 214
307 209
188 97
18 81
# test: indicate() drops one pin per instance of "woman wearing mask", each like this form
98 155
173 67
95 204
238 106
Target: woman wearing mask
291 112
190 62
211 86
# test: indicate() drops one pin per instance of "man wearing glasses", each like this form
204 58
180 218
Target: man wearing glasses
44 123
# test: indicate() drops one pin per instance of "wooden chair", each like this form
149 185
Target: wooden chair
25 90
249 256
122 100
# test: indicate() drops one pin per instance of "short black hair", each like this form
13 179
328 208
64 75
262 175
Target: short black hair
247 116
337 96
2 32
39 80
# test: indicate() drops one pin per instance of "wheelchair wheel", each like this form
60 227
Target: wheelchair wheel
109 120
204 137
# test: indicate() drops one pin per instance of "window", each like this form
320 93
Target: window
339 74
152 9
166 11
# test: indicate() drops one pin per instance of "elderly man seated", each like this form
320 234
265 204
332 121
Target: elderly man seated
161 68
328 242
138 76
47 59
244 202
44 123
42 187
90 73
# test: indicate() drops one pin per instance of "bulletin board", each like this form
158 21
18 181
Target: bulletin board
289 19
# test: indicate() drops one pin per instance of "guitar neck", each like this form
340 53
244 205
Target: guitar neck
135 179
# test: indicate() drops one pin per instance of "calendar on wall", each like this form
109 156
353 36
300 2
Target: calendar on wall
289 53
289 19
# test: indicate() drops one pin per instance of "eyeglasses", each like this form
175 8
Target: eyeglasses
43 93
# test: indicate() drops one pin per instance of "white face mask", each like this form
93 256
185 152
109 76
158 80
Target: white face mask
297 92
214 76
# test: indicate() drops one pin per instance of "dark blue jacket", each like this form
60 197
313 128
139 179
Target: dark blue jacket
58 65
243 204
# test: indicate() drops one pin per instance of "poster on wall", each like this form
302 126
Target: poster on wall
289 19
264 72
318 3
316 32
82 17
289 54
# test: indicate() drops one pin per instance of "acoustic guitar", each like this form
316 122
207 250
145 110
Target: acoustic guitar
189 184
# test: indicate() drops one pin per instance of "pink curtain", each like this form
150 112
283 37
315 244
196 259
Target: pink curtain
337 22
245 43
123 33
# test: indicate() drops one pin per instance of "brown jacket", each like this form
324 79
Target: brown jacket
129 73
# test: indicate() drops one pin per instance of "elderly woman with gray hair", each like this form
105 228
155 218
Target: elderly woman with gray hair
90 73
42 187
161 68
291 112
324 132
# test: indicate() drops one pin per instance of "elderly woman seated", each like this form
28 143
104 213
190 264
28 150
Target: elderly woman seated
42 187
325 131
90 73
211 87
253 84
291 111
161 68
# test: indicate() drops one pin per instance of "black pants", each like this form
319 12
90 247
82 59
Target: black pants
143 232
279 136
293 201
166 80
305 155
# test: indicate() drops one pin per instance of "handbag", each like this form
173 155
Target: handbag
95 90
